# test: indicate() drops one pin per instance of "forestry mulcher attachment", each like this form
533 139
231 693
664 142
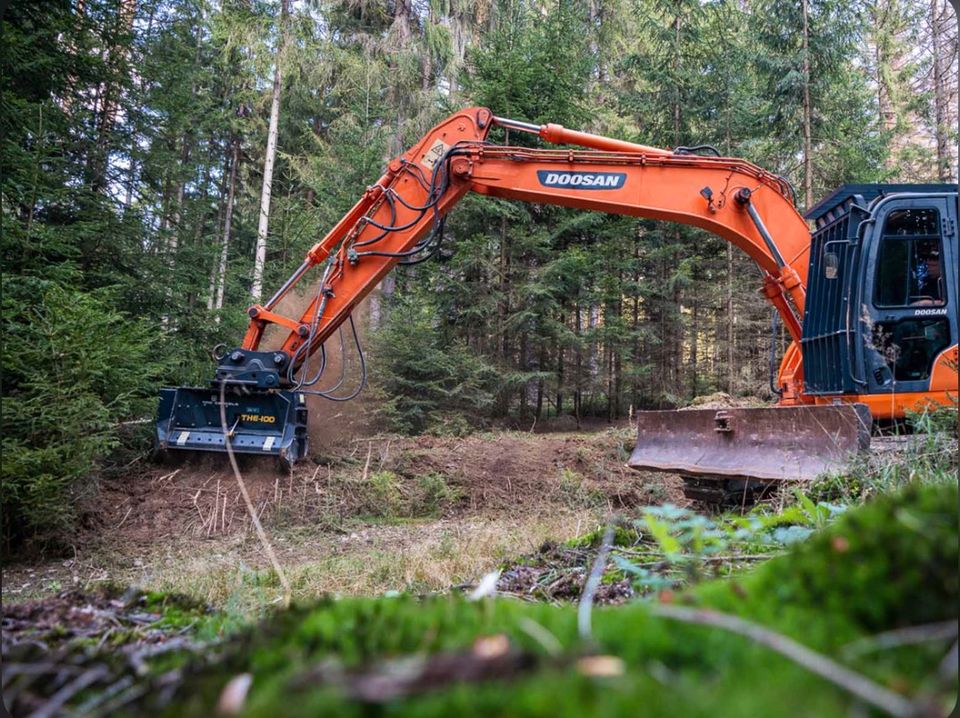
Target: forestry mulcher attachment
869 298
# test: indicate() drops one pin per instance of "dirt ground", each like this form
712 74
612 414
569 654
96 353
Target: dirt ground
379 514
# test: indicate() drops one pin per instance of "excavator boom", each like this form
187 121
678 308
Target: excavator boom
399 219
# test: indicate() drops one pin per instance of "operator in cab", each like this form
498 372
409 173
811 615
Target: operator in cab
928 275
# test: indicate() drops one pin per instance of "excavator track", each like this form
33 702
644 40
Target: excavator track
720 493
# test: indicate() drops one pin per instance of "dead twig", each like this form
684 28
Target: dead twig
124 519
686 559
203 520
99 698
137 458
261 533
593 582
541 635
366 465
386 454
166 477
60 698
902 637
948 666
828 669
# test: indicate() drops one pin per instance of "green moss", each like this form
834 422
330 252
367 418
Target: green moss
888 564
624 534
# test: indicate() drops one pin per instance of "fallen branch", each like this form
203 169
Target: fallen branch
366 466
828 669
124 519
166 477
705 559
948 666
99 698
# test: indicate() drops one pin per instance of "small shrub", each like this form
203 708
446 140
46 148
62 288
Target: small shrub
427 383
387 498
575 493
436 493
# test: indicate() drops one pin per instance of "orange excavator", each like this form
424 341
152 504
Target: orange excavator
869 298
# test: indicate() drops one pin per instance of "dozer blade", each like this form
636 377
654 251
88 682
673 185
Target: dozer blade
270 423
769 444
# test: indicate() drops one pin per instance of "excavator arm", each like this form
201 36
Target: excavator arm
392 222
399 219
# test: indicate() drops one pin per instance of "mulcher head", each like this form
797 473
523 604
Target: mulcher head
260 418
269 423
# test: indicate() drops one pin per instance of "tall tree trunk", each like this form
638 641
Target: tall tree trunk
260 253
674 340
522 367
542 364
593 321
731 322
676 331
577 379
616 346
221 281
635 324
694 346
108 93
175 213
882 62
807 109
610 377
221 211
676 69
560 368
503 303
943 55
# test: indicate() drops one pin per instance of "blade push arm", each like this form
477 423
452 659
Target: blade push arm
392 221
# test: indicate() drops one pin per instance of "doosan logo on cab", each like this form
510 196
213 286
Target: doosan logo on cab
582 180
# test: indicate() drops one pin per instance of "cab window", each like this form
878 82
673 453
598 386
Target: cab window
909 264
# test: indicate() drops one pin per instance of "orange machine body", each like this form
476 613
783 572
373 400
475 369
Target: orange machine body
732 198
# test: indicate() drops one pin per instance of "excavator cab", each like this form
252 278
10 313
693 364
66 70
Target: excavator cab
882 316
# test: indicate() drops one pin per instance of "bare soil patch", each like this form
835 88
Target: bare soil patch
380 513
484 474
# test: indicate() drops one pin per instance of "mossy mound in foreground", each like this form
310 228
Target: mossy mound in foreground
887 565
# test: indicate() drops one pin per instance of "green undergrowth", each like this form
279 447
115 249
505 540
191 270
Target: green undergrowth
924 449
890 564
184 614
668 547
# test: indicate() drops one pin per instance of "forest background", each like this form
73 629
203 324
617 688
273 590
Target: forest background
165 163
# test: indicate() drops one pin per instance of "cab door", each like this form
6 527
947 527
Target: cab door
908 292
